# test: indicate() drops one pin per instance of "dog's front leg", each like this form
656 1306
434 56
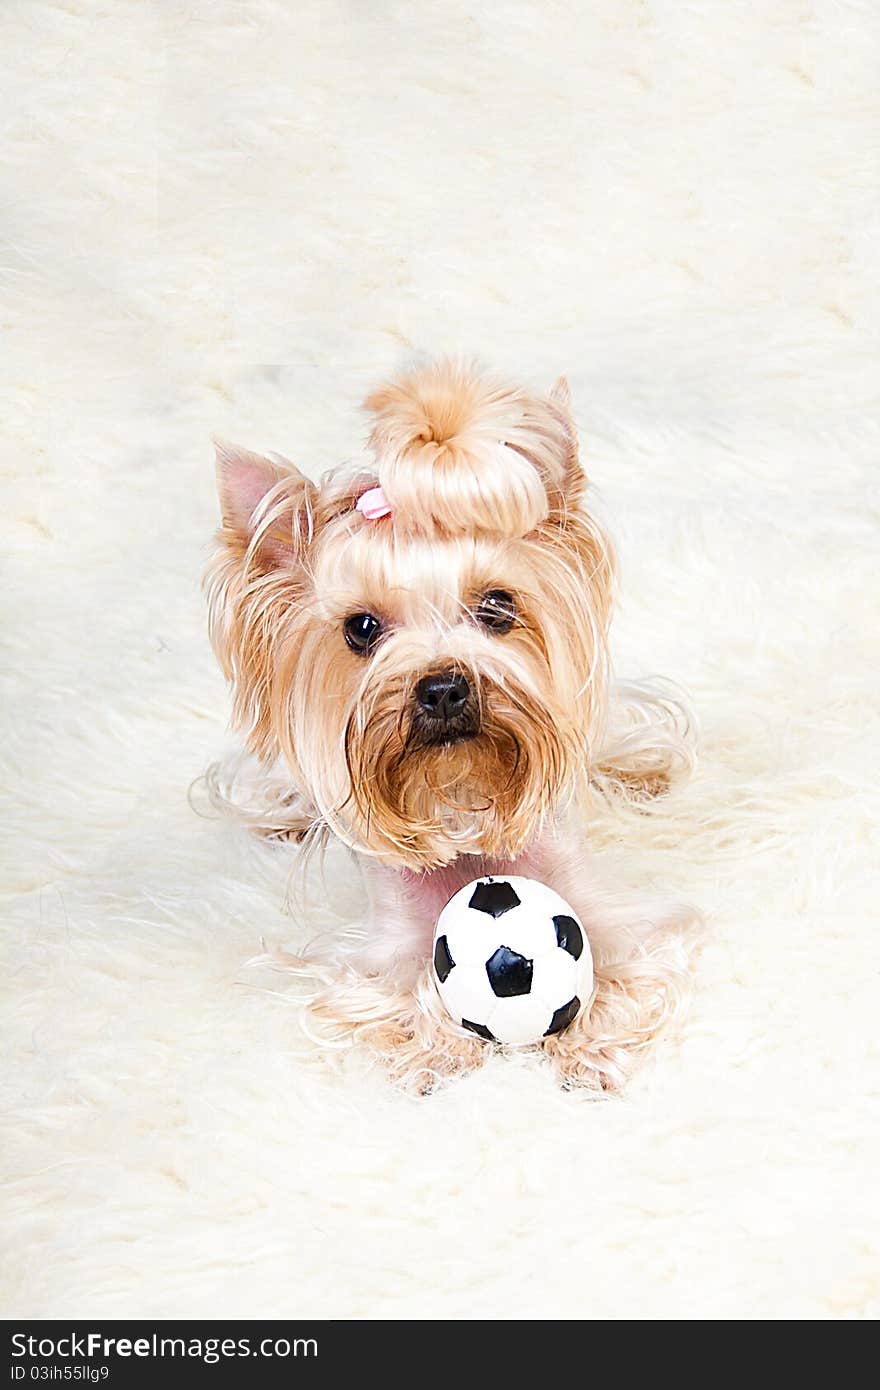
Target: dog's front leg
641 945
407 1027
383 992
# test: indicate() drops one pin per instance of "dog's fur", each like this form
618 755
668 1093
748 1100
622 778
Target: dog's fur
487 496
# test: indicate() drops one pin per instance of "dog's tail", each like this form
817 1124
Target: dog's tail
460 452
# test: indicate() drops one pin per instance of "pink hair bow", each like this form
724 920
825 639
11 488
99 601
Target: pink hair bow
373 503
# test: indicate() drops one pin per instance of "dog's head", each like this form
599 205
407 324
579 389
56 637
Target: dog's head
434 675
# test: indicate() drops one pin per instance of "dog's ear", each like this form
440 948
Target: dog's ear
573 483
256 576
266 504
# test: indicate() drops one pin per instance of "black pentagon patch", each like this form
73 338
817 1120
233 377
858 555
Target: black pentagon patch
563 1017
479 1028
495 898
443 961
509 973
569 935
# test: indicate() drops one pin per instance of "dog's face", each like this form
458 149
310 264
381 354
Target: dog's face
433 677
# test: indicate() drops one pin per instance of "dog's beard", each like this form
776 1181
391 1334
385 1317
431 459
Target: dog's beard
485 787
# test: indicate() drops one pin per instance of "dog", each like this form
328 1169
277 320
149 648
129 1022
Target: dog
418 652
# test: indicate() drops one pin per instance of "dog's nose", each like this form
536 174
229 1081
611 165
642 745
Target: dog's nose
442 696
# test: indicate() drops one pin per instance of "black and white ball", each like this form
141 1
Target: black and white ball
511 960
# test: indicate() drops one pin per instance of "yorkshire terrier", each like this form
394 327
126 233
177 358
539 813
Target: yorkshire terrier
418 652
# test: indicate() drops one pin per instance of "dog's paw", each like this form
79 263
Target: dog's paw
421 1052
580 1064
633 1004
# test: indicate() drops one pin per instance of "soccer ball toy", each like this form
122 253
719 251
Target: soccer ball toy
511 960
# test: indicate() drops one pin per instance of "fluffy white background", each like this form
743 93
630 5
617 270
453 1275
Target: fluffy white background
235 217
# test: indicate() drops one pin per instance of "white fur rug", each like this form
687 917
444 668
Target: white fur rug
235 217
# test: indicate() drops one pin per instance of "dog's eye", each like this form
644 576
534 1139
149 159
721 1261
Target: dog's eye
497 610
362 631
